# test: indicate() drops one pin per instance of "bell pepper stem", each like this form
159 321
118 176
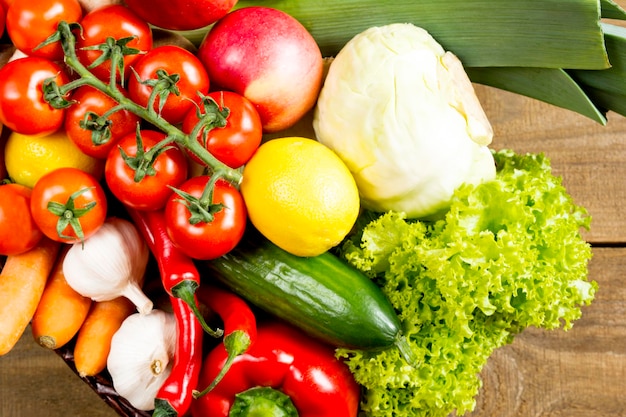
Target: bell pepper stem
185 290
262 401
235 343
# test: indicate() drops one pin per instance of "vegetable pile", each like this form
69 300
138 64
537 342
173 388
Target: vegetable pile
211 262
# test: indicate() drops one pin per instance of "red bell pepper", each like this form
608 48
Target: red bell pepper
285 372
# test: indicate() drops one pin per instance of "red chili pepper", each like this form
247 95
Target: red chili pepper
179 274
176 394
180 279
285 372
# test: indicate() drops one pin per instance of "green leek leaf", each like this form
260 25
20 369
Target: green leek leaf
483 33
612 10
553 86
611 80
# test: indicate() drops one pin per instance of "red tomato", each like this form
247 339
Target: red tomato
206 240
3 18
30 22
22 105
234 143
80 205
118 22
6 4
88 99
151 193
18 230
193 79
181 14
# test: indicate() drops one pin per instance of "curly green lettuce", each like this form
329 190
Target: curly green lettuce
508 255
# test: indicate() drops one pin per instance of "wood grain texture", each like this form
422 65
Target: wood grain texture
578 373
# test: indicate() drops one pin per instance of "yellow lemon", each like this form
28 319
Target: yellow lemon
28 158
300 195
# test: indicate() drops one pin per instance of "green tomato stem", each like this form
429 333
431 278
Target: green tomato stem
148 114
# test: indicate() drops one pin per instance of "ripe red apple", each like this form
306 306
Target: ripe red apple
270 58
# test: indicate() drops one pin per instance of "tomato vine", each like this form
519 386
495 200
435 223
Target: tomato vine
56 97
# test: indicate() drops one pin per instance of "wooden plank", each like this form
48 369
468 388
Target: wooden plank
35 382
588 156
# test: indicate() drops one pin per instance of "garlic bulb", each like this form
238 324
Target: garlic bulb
141 354
109 264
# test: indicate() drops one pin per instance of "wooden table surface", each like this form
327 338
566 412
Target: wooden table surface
579 373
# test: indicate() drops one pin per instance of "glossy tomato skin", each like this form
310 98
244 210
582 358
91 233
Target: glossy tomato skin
57 186
234 143
207 240
3 18
18 230
30 22
88 99
152 192
181 14
118 22
22 105
174 60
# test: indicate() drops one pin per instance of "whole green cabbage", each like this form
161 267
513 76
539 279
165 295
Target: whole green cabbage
403 115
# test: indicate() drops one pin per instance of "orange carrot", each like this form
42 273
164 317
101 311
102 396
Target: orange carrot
61 310
22 281
93 342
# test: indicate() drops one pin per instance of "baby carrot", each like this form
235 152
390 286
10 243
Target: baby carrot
22 281
61 310
93 342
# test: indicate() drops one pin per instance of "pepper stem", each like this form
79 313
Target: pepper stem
235 343
186 290
262 402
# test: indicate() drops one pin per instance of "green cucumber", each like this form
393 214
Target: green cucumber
323 295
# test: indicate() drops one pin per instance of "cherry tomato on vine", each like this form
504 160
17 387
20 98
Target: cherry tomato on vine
206 239
68 205
109 130
152 191
23 108
18 230
116 22
234 143
5 4
182 71
30 22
